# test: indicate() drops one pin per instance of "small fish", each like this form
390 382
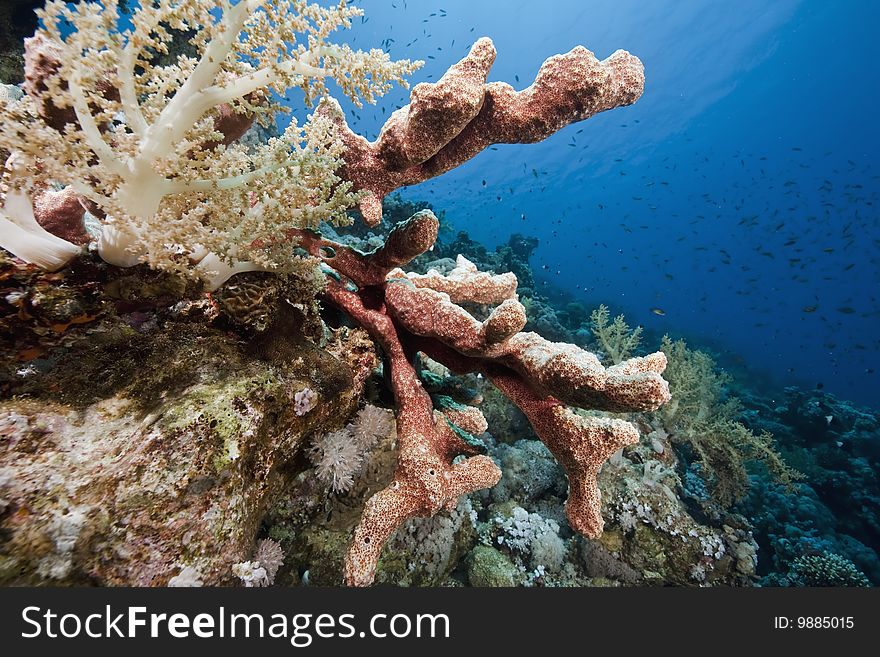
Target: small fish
810 309
658 311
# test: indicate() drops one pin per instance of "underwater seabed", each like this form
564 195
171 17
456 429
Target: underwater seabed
714 501
770 487
191 401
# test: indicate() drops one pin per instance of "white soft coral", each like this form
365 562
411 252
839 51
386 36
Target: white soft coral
146 155
21 234
339 457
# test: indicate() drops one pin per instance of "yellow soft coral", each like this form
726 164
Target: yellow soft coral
617 340
702 418
140 139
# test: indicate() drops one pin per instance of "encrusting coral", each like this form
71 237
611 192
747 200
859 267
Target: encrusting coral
149 147
538 376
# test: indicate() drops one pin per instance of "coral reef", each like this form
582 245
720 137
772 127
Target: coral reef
834 508
227 408
826 569
654 533
651 536
409 313
708 423
149 433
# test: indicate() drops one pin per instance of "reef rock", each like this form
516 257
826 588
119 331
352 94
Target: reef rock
145 445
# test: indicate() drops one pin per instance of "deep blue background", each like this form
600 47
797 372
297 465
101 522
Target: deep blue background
737 195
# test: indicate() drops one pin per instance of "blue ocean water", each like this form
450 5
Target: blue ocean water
734 205
739 195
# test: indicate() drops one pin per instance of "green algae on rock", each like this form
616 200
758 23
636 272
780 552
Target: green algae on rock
489 567
154 437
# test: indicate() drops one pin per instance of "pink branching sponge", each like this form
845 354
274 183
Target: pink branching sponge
446 124
411 313
450 121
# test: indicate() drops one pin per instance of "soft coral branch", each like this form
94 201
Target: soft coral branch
150 143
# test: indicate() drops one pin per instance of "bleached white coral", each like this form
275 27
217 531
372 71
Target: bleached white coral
188 577
532 535
371 424
251 573
337 458
150 154
304 401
